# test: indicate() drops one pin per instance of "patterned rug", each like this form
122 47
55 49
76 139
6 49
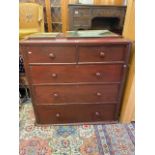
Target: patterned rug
114 139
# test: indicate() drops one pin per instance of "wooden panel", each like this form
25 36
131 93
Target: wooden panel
48 14
129 25
76 94
127 112
109 2
64 15
51 54
102 54
75 113
128 108
76 73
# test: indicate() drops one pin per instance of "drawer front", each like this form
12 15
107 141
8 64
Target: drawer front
76 94
51 54
76 73
84 21
81 12
102 54
75 113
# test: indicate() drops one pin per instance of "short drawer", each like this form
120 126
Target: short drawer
81 12
102 54
76 94
39 54
75 113
76 73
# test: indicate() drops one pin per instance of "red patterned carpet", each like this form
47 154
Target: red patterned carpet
114 139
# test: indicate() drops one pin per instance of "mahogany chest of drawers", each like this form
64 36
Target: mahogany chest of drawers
76 80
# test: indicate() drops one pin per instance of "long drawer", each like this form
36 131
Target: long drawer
51 54
75 113
76 73
76 94
102 54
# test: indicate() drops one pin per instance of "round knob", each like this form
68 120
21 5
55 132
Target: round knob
54 75
124 66
102 54
98 74
29 52
57 115
51 55
98 94
97 113
55 94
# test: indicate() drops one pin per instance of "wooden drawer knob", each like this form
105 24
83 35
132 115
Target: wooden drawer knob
97 113
55 94
125 66
57 115
102 54
98 94
54 75
52 55
98 74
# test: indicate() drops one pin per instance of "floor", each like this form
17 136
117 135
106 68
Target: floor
114 139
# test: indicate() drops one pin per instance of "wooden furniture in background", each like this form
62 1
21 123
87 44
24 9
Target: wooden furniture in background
89 17
128 109
65 22
76 80
64 10
57 15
